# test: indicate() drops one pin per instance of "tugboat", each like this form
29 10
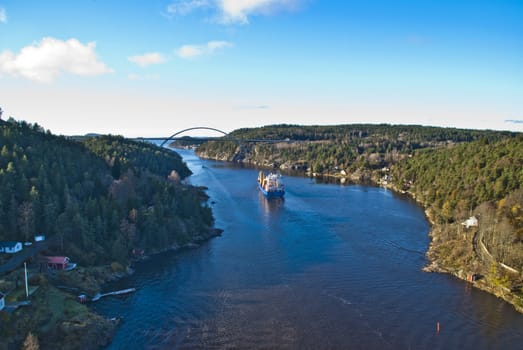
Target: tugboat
271 185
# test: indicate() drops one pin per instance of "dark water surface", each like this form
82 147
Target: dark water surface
329 267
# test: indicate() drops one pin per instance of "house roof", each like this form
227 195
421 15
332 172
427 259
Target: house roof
9 244
57 259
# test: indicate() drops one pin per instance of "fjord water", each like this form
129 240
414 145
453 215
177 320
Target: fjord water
330 266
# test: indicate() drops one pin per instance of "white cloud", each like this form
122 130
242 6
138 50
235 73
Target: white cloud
232 11
217 45
184 7
192 51
238 11
47 59
189 51
3 15
147 59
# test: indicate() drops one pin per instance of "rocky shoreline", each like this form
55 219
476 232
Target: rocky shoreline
58 320
457 257
195 242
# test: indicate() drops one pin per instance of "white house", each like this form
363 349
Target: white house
39 238
10 247
2 301
470 222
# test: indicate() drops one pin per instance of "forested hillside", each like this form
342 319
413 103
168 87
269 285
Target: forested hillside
125 154
324 149
414 135
478 178
453 180
95 200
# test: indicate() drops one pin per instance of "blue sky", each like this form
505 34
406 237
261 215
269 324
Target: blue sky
151 68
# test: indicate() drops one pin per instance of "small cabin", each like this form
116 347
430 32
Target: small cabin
10 247
2 301
59 263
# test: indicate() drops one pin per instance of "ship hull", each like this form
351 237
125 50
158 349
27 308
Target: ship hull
271 194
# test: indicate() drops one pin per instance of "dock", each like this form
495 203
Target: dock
117 292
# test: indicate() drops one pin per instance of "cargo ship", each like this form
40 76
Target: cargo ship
271 185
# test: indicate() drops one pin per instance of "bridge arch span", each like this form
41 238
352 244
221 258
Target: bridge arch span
189 129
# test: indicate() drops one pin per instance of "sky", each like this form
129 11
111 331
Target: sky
156 67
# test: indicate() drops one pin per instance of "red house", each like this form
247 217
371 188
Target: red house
59 263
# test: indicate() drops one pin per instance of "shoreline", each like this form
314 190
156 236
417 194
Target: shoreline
196 242
437 264
434 263
70 324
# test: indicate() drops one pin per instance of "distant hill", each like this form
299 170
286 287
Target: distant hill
330 149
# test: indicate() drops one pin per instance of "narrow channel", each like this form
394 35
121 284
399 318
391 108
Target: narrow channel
330 266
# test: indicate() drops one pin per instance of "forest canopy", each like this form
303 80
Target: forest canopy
97 199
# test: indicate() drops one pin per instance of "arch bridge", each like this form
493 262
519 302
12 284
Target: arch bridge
190 129
174 136
225 137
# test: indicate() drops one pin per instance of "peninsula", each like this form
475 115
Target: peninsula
100 203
